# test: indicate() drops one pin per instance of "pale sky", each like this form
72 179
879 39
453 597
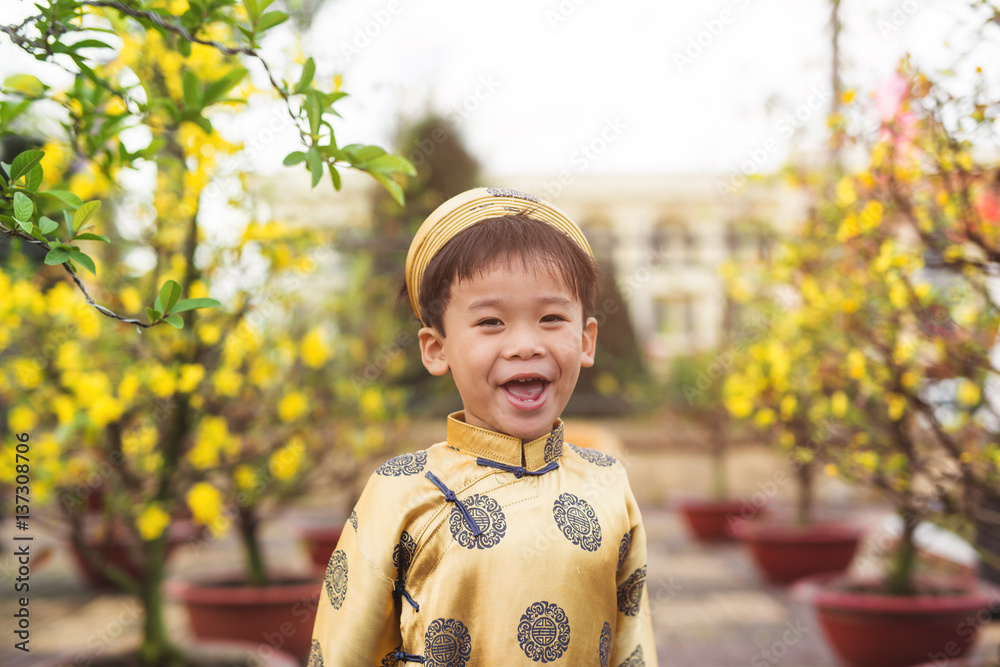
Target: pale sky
528 82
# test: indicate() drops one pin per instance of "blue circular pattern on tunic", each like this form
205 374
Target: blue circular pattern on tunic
336 578
487 514
578 521
594 456
635 659
543 632
390 659
402 554
604 650
447 643
315 655
354 520
554 444
404 464
630 592
623 549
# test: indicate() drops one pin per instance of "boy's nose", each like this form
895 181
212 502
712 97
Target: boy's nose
523 343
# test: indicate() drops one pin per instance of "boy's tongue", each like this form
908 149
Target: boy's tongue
528 390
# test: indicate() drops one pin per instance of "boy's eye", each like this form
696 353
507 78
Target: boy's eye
553 318
490 322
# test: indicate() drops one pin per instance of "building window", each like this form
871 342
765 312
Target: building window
675 315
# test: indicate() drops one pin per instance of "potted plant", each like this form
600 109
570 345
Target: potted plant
106 407
790 382
695 389
920 348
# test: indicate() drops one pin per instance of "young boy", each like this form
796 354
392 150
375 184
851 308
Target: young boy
497 546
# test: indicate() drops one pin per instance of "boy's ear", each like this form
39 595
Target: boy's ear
432 351
589 343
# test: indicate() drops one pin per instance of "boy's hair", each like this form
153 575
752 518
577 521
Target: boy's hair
495 242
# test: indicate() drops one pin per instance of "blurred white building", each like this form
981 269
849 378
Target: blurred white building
663 236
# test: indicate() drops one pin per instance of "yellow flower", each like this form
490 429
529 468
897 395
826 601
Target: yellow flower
605 383
245 476
63 407
315 351
28 372
21 419
138 441
830 469
845 192
838 403
909 379
968 392
292 406
152 522
372 405
788 405
855 364
191 375
68 357
227 382
162 381
896 405
209 333
104 410
128 387
847 96
131 300
739 406
867 460
965 457
205 502
764 418
871 215
285 461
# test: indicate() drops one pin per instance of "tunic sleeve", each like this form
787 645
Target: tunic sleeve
634 644
357 621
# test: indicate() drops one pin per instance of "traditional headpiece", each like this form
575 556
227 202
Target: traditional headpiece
466 209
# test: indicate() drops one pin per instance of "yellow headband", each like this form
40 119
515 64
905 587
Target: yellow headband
466 209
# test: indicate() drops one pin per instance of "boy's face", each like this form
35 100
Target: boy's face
516 341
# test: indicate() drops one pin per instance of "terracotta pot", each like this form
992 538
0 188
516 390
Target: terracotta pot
280 614
225 653
879 630
712 520
786 552
114 548
320 542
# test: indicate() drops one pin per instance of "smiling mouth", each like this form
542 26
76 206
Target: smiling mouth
526 390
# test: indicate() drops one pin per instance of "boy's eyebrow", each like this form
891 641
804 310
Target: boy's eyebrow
491 302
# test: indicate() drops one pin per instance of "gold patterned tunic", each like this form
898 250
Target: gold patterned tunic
486 550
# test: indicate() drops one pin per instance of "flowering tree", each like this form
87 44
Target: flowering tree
223 409
886 354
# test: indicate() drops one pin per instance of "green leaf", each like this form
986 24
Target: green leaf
308 70
89 44
34 178
23 207
85 213
192 90
153 315
253 10
391 186
391 163
269 20
215 90
175 320
84 259
69 222
92 237
169 294
25 84
56 256
23 163
25 226
185 305
313 112
315 165
360 154
335 177
294 158
65 197
47 225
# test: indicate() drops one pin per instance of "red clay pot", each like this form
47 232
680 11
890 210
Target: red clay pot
878 630
225 652
712 520
320 542
280 614
786 552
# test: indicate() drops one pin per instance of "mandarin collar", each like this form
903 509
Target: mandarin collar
505 448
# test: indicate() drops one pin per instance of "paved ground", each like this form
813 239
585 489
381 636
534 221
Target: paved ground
709 607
